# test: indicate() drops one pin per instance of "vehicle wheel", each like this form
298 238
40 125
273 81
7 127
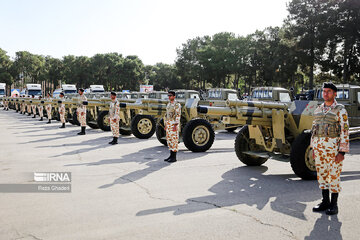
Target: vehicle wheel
92 125
104 121
301 159
231 129
198 135
143 126
242 144
75 119
69 118
160 132
125 132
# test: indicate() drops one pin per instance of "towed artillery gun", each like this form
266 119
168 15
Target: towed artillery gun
280 131
196 130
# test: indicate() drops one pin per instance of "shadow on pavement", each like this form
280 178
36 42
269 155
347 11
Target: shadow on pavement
250 186
326 227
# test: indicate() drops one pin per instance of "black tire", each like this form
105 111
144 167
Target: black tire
101 123
70 118
160 132
242 145
231 129
125 132
194 126
301 157
75 119
145 132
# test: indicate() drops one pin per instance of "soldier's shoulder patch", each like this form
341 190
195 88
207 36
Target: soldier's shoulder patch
339 106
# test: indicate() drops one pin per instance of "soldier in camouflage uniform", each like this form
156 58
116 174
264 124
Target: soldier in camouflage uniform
28 108
62 110
23 107
330 142
16 104
41 109
48 108
172 126
33 106
114 118
6 105
81 111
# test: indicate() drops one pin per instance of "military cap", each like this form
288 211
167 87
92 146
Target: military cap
62 94
113 93
330 85
81 89
171 92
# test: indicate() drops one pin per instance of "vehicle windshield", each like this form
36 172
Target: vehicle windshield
97 91
69 91
35 92
2 92
215 94
180 95
262 93
134 96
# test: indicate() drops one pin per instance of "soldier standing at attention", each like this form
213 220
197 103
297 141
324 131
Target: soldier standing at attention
62 110
172 125
29 109
48 107
81 111
16 104
114 112
330 142
33 107
41 109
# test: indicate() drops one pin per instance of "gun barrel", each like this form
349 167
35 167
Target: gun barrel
260 105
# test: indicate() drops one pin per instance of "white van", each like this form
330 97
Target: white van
2 89
96 88
33 89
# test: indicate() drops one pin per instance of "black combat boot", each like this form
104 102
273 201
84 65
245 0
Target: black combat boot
333 208
172 157
82 131
62 126
325 203
29 114
34 116
114 141
167 159
49 121
41 119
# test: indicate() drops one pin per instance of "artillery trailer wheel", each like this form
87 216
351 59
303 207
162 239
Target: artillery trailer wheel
69 118
243 144
198 135
75 119
301 159
104 121
125 132
143 126
160 132
91 124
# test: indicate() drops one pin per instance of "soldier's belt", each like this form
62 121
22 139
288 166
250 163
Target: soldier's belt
326 130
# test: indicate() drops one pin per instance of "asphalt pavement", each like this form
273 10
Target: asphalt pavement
127 191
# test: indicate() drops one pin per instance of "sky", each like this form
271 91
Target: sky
151 29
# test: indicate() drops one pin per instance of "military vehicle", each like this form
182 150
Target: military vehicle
280 131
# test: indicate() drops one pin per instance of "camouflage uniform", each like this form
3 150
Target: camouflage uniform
62 112
114 112
330 135
48 109
41 110
33 107
28 108
172 117
81 110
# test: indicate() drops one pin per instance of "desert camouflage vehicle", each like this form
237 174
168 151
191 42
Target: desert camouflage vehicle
280 131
